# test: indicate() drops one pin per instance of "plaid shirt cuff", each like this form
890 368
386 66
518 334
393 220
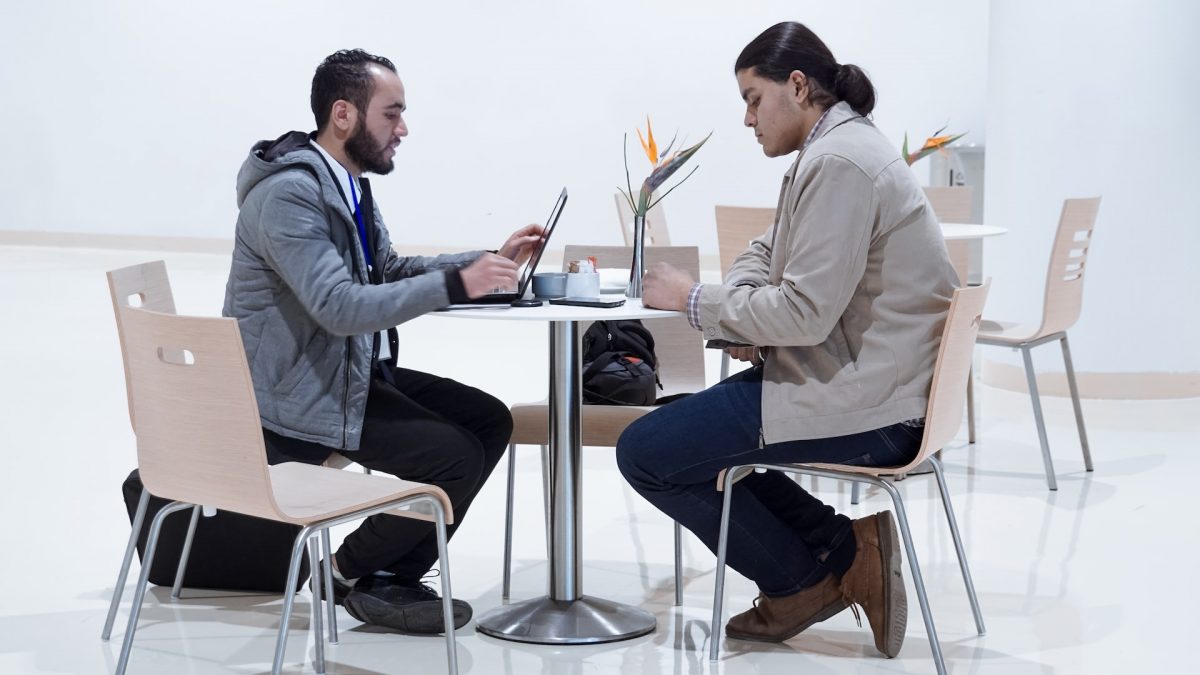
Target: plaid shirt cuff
693 306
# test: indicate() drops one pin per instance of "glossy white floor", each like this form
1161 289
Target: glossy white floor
1096 578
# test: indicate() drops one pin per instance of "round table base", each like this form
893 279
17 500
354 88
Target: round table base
587 620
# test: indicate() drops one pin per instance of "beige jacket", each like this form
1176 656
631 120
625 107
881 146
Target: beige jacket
849 290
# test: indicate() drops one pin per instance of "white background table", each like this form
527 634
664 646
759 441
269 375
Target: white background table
565 615
965 244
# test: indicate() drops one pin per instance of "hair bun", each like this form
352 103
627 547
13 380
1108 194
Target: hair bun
853 86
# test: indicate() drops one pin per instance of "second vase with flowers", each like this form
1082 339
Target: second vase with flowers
663 164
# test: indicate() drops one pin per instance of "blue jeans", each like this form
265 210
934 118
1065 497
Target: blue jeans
780 536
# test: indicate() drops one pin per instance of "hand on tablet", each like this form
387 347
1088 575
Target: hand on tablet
522 243
488 273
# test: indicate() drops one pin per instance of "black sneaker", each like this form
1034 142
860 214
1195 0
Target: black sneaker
407 607
340 588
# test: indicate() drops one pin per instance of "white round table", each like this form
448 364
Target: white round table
565 615
968 231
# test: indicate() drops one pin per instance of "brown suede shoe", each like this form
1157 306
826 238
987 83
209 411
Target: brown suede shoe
874 581
777 619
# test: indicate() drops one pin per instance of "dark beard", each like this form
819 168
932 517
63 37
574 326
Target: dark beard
362 150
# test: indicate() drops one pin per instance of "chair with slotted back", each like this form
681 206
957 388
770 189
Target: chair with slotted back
736 226
200 442
1063 301
680 352
943 416
145 285
656 224
148 286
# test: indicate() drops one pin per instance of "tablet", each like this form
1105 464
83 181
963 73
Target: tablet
588 302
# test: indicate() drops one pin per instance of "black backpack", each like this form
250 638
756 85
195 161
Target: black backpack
619 366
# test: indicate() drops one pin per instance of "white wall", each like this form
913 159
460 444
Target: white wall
1086 101
132 117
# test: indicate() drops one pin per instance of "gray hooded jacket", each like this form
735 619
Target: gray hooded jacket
299 288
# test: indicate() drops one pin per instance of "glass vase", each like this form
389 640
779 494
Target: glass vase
638 268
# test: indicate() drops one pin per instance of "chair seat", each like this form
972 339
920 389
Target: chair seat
307 493
1007 332
601 424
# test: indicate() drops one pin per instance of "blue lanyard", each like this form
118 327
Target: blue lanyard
362 228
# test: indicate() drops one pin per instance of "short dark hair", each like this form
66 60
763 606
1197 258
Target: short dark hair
344 76
789 46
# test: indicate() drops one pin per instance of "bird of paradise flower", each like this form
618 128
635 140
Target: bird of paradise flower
934 143
663 165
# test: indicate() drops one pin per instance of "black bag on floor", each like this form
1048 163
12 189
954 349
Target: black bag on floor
619 365
230 551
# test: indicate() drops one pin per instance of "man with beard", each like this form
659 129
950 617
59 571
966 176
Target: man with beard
316 289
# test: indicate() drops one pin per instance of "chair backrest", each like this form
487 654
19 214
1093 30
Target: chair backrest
199 437
736 226
678 346
656 223
947 394
1068 262
145 285
953 205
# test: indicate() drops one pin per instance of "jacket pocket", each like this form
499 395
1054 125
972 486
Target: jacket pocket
305 364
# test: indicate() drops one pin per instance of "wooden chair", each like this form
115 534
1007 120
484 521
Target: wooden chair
736 226
656 223
943 416
147 286
1060 311
953 205
680 352
200 443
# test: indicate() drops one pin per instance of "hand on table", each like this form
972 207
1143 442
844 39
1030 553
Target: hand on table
666 287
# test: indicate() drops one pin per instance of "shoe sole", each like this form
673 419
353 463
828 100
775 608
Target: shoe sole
417 618
829 611
893 586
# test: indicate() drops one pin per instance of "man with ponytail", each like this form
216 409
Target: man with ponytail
838 307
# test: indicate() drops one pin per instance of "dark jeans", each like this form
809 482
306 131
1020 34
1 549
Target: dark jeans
780 536
427 429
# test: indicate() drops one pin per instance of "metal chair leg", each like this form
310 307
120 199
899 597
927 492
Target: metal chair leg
330 599
678 564
185 553
724 365
135 529
314 563
1037 416
714 646
958 545
971 405
918 580
1083 442
855 492
447 598
289 598
508 522
139 593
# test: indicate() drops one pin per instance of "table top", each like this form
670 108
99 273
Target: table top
958 231
632 309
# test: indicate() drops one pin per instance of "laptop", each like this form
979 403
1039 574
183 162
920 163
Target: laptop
507 298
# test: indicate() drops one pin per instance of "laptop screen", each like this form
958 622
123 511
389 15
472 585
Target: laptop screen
531 266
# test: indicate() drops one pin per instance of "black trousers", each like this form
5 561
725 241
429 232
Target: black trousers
423 428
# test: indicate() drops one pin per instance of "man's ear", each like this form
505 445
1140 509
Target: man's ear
799 84
343 115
